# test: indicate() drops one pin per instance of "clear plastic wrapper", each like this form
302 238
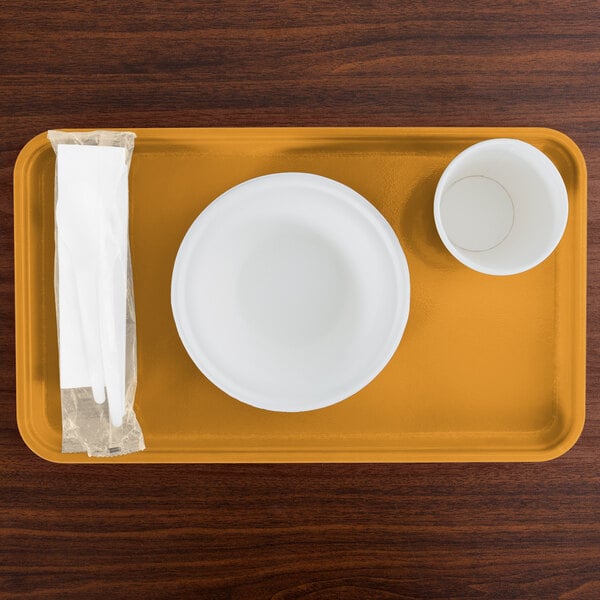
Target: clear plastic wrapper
94 293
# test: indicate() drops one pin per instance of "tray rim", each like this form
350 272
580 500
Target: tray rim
23 347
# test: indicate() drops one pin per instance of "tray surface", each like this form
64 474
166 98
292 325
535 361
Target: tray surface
489 368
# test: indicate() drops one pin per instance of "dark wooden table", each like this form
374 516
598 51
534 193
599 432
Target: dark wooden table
298 531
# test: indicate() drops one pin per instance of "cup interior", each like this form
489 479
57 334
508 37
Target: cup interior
501 207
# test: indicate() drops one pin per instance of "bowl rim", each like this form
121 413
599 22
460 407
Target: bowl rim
397 325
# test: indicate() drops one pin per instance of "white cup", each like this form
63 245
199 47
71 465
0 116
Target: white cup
501 207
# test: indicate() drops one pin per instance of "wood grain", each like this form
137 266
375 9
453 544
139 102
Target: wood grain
291 532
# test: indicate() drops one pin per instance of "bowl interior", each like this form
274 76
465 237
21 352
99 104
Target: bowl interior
290 292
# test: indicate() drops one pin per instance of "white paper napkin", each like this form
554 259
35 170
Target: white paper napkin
92 230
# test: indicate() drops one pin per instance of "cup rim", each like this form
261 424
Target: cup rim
464 258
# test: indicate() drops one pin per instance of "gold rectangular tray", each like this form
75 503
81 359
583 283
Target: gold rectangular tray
489 369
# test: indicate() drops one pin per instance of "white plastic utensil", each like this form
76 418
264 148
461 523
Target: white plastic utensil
112 354
77 219
113 288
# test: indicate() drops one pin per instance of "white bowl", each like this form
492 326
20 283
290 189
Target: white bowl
290 292
501 207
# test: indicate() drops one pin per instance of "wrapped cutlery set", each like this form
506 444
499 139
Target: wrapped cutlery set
95 307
